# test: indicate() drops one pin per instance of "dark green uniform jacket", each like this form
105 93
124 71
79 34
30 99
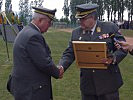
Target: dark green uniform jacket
97 81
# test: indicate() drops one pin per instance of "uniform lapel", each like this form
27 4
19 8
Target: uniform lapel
34 27
97 32
79 34
86 36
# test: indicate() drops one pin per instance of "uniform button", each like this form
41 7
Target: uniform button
40 86
93 71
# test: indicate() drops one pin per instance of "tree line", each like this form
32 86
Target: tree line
114 8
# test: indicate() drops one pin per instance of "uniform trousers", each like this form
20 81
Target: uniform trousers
110 96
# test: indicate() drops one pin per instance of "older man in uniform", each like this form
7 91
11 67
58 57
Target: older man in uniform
33 64
96 84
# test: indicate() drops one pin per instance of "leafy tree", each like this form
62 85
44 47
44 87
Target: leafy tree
24 11
114 8
30 10
120 7
64 20
1 4
26 8
100 10
129 6
107 6
7 5
21 12
66 8
38 3
9 13
131 10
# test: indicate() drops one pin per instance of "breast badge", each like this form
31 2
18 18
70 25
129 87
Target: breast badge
98 29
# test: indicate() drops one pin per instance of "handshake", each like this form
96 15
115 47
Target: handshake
61 71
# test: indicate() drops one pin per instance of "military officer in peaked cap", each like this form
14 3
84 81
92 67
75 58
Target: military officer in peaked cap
96 84
33 65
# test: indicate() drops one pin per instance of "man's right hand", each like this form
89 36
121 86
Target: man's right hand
61 70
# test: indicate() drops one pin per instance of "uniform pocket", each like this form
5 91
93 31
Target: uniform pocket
40 91
38 86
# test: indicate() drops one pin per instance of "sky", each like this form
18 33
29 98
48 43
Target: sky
51 4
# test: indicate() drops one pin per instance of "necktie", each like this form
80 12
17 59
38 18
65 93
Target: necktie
90 32
87 35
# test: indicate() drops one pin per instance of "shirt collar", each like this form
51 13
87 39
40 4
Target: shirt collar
36 26
93 29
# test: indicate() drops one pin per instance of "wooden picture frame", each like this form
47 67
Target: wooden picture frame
90 54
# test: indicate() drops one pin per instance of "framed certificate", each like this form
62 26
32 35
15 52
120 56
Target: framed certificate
90 54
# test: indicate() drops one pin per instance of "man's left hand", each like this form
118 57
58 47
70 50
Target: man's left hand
109 60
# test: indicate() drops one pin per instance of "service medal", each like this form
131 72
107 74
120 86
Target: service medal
100 37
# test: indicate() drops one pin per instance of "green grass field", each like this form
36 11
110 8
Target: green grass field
68 87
